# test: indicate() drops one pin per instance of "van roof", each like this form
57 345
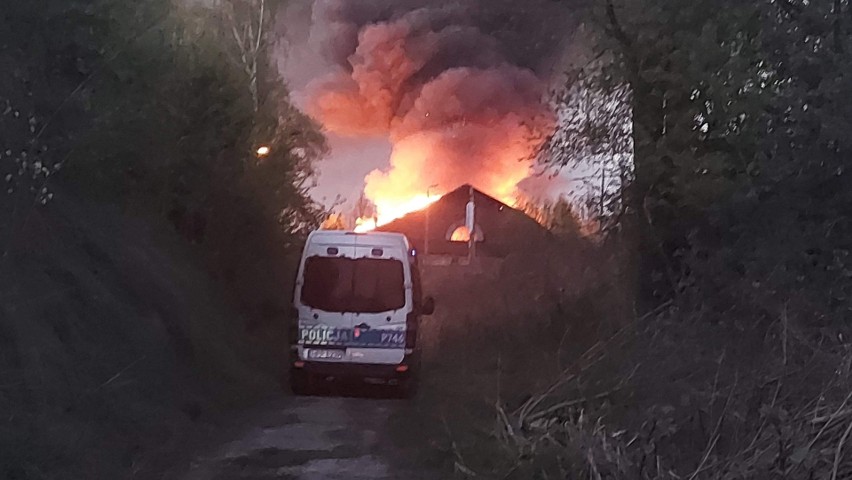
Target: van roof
342 237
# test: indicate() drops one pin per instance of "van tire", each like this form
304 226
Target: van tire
301 383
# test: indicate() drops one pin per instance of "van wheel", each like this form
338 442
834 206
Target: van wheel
301 382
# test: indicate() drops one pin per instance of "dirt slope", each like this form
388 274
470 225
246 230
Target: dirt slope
112 342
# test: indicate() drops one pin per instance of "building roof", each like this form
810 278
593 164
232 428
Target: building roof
503 229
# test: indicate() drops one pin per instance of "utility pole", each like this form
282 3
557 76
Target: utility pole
428 207
470 221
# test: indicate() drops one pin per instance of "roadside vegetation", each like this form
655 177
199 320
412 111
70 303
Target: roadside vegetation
729 229
697 330
145 238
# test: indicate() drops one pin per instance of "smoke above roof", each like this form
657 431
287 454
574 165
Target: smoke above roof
456 86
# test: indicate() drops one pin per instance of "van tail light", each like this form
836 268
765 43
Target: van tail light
411 325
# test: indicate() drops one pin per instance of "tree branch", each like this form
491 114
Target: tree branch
259 29
616 28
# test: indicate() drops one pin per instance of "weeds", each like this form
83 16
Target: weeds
769 422
701 388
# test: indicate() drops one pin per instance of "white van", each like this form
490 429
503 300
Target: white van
357 308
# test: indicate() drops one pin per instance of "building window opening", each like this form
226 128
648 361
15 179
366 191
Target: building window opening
461 234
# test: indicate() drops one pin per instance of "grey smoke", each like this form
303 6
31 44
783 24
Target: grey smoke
447 71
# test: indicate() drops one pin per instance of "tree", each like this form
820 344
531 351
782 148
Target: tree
335 221
559 216
733 106
150 106
595 141
52 50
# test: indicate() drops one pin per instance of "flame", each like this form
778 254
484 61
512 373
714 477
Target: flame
401 190
487 161
455 109
461 234
364 224
390 209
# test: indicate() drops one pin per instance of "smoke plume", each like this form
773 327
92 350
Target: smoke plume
457 87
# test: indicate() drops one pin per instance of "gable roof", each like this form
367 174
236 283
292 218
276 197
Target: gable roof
504 228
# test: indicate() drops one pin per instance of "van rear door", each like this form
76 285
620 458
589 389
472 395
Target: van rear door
382 276
323 295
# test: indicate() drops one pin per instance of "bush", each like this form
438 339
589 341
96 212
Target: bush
145 108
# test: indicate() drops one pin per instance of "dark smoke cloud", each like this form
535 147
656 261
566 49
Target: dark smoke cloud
456 86
525 33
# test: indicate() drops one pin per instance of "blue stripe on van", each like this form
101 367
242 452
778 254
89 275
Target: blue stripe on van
347 337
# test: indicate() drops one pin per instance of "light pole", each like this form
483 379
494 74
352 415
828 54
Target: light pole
470 222
428 207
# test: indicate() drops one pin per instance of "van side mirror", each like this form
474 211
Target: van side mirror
428 307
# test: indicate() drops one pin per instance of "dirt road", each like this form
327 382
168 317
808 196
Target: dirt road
363 434
312 438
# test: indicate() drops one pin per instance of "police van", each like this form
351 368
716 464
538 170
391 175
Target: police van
357 307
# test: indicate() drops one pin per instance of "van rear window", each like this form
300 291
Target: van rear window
363 285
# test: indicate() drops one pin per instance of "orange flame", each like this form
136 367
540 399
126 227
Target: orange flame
461 234
389 210
402 188
476 124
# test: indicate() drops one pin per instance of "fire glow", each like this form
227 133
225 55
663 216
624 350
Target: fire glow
455 108
387 212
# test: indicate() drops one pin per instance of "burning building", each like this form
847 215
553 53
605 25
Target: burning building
457 87
441 229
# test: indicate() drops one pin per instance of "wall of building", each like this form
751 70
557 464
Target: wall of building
502 229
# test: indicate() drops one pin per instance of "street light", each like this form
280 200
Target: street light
426 238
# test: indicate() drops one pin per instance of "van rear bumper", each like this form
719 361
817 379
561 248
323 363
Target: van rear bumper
354 370
358 370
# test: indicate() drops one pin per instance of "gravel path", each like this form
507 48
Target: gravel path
310 438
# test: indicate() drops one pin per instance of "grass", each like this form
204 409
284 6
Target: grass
496 338
707 406
113 342
576 388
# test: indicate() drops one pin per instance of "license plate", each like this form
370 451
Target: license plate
325 354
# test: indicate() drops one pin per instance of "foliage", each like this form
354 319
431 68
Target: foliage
594 141
737 112
150 106
37 65
139 105
737 202
143 103
25 165
559 216
335 221
671 398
